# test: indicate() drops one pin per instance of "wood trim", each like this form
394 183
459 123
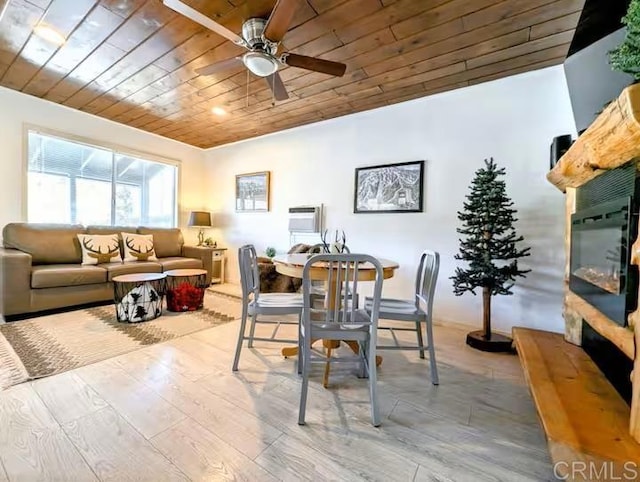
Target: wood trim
135 62
622 337
572 320
583 416
634 323
634 419
610 142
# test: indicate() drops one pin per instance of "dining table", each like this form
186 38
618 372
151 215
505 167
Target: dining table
293 265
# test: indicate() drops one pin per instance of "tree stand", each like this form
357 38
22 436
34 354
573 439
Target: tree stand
483 339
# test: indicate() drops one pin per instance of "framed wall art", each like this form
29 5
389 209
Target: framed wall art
389 188
252 192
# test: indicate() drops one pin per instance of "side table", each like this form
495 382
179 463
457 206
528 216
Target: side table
218 256
185 289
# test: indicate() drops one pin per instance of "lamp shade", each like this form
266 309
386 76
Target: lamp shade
200 218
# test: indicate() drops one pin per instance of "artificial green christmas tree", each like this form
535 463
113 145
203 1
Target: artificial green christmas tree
626 58
489 248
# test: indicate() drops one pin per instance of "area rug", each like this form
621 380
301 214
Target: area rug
46 345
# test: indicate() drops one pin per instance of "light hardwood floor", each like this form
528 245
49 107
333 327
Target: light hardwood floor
175 411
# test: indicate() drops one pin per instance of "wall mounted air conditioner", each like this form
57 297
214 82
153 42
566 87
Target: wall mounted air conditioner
305 219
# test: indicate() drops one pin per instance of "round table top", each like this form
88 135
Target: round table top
138 277
293 264
178 273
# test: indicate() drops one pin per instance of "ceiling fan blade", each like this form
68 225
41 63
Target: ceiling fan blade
277 86
280 20
219 66
203 20
315 64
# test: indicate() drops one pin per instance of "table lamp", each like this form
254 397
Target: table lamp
200 219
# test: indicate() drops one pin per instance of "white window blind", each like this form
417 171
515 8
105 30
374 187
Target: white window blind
71 182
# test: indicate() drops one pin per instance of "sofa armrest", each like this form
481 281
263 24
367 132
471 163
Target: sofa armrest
15 282
204 254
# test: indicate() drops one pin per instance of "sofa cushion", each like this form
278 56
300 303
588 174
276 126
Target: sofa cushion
58 275
166 241
179 263
103 230
46 243
99 248
116 269
138 247
111 229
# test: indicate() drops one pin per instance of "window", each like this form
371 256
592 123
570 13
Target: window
71 182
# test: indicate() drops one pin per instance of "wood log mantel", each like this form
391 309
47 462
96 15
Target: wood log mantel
610 142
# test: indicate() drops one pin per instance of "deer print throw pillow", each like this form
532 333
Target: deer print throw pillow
138 247
97 249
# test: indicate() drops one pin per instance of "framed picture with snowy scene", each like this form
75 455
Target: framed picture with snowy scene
389 188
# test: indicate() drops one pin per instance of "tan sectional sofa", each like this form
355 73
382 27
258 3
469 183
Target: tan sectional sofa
40 265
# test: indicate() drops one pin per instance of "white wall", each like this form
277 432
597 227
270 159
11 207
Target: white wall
512 119
17 109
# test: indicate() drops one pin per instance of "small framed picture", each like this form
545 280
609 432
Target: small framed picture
389 188
252 192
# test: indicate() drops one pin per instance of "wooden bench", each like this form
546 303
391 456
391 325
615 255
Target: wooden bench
584 418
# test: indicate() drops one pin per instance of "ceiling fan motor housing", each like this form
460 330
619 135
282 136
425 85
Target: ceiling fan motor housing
252 31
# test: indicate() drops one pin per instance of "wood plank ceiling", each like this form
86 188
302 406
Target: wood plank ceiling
134 61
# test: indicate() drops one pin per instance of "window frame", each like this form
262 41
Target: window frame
116 149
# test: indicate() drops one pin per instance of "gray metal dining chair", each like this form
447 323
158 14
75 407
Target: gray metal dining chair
340 320
255 303
417 311
317 287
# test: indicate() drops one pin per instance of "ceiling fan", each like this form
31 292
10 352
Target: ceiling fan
261 37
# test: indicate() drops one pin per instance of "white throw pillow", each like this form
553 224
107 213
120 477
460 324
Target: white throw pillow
100 248
138 247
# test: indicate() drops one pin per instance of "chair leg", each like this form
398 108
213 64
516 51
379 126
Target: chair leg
252 332
420 341
362 351
373 386
327 368
306 355
432 353
300 355
243 324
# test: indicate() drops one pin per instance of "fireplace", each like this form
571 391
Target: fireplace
615 365
603 229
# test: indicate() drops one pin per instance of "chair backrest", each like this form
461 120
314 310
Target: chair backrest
426 279
342 273
249 275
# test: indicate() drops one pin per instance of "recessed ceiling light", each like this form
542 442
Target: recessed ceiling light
49 34
219 111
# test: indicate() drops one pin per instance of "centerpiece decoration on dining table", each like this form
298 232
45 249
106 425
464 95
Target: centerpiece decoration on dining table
490 249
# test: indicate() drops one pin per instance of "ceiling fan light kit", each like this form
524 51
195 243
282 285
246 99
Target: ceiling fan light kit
261 37
260 64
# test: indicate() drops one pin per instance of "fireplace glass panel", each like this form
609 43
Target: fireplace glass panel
600 273
598 252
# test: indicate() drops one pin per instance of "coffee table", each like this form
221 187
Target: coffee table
185 289
139 297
